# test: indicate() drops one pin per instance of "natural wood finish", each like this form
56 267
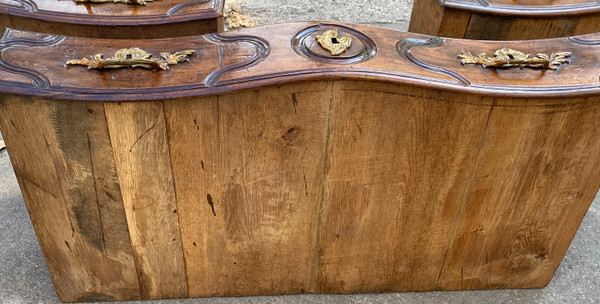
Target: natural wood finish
388 212
426 24
454 23
62 156
534 179
502 20
248 173
587 24
266 166
139 137
160 19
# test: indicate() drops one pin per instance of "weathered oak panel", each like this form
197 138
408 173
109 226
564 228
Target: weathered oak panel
264 165
398 168
533 182
248 173
62 156
505 20
139 137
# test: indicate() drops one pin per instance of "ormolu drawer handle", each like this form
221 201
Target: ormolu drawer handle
331 42
133 58
140 2
507 58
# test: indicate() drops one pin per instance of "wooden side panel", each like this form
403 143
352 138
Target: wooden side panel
248 173
164 30
587 25
398 168
63 160
454 23
537 28
139 138
490 27
536 176
487 27
426 17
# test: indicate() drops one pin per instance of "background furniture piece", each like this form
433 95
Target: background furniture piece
264 165
504 19
158 19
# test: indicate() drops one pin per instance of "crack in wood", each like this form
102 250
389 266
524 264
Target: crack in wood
141 136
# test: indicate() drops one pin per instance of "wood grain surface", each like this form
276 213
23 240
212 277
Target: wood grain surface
264 167
505 20
262 56
62 156
158 19
248 172
529 191
397 170
139 137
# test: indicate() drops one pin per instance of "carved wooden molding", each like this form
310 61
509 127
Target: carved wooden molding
28 5
362 49
405 45
38 79
584 41
485 6
179 7
262 47
247 60
30 8
138 2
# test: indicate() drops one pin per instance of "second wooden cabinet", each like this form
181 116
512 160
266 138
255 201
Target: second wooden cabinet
505 19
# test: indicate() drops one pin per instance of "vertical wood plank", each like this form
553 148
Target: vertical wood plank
587 25
536 175
454 23
488 27
138 134
537 28
397 168
426 17
63 160
248 173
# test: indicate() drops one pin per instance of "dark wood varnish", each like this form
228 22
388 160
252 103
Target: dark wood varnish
504 19
265 166
160 19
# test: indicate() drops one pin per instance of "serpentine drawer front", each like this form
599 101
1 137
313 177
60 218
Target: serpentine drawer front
132 19
302 157
505 19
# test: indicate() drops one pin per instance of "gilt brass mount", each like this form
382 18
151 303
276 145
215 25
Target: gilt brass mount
331 42
133 58
140 2
508 58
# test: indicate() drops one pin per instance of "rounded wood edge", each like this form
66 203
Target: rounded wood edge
213 84
482 6
135 31
339 74
78 19
363 48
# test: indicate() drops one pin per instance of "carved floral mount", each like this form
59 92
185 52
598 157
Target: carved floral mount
133 58
508 58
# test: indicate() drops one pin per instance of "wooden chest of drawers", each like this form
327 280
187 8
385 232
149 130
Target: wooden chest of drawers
505 19
157 19
266 165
